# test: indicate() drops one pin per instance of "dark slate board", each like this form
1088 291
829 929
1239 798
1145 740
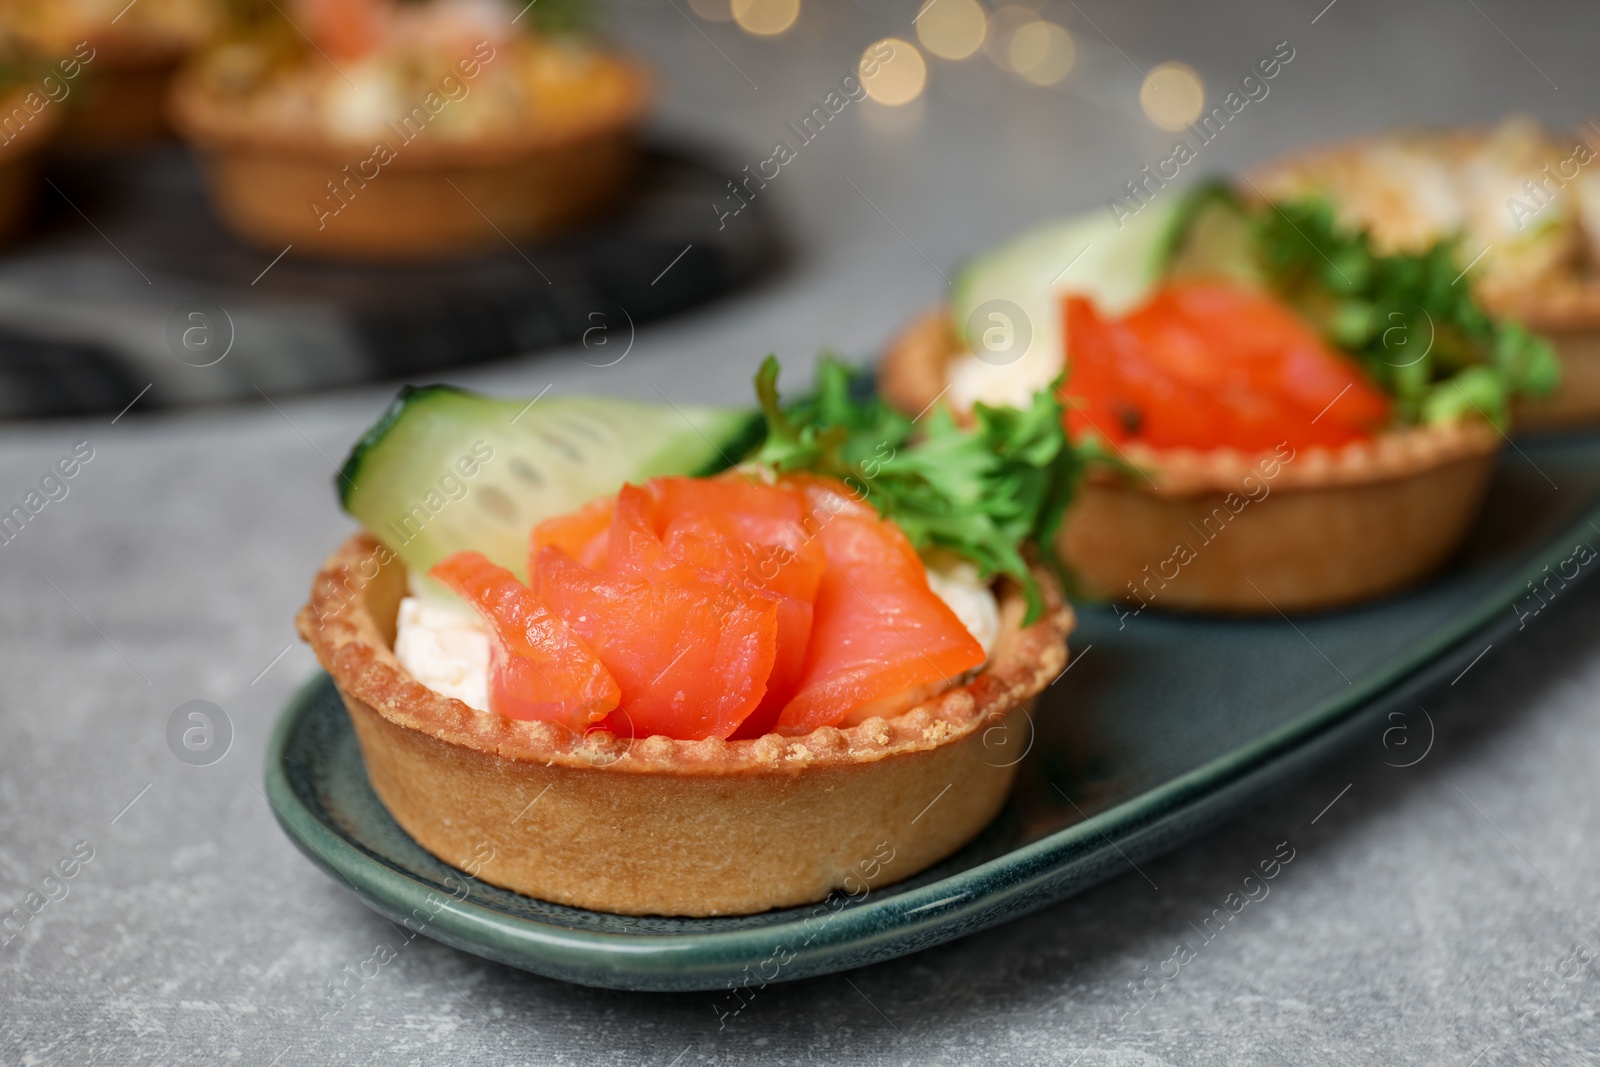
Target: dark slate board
94 300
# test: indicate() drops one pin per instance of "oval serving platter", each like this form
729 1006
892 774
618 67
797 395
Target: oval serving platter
1161 727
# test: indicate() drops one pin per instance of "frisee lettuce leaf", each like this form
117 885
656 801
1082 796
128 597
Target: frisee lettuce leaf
1409 319
984 492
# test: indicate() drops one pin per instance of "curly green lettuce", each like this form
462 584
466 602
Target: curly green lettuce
1409 319
984 491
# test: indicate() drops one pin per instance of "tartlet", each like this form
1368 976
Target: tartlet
1525 202
1326 527
1568 315
664 826
682 660
21 162
422 178
129 53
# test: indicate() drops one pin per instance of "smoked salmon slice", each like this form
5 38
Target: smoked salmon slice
714 545
581 534
727 494
878 629
1212 365
730 607
748 533
538 668
691 657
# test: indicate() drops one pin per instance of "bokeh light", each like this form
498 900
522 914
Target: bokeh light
1041 52
1172 96
1003 26
952 29
765 18
893 71
712 10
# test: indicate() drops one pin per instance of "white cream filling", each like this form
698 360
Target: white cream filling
956 582
361 107
972 380
445 645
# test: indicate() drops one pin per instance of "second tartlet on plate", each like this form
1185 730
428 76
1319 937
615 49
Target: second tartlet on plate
406 131
584 667
1271 443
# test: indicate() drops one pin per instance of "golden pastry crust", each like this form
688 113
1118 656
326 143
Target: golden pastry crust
1261 548
1567 313
664 826
1391 456
428 198
915 369
1221 530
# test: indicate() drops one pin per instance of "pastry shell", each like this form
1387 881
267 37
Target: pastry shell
22 161
668 827
1567 314
432 199
122 102
1220 530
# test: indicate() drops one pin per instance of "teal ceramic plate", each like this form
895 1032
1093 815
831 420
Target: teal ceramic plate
1162 727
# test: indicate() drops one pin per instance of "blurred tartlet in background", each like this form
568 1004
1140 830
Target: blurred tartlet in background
30 118
1522 202
1233 354
128 52
375 129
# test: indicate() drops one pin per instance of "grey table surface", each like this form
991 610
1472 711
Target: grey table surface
1440 914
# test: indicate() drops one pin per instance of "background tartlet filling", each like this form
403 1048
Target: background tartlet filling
1529 193
55 26
381 72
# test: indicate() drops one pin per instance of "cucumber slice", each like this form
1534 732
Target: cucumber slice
1116 263
1216 238
445 470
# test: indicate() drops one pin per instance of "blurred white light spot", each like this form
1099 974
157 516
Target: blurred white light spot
1003 26
765 18
952 29
1172 96
893 71
1041 52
